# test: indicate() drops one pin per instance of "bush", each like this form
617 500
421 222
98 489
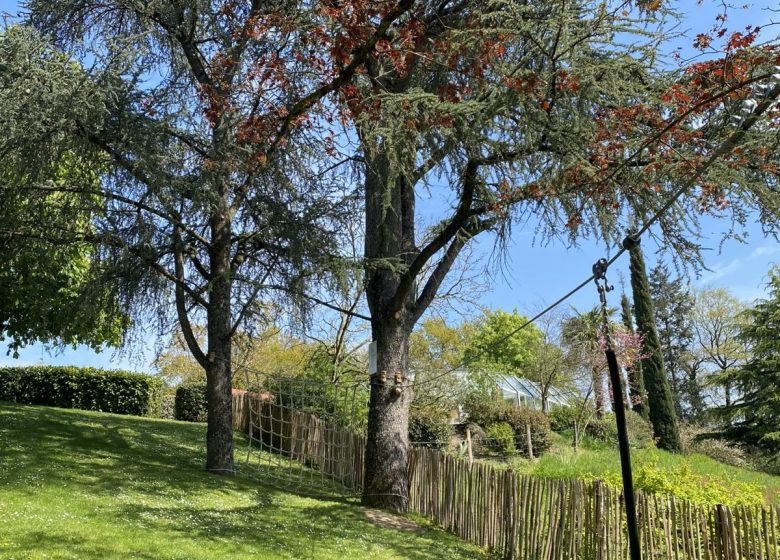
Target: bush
168 406
684 482
478 443
718 449
190 404
500 437
120 392
519 418
428 430
563 418
640 432
485 412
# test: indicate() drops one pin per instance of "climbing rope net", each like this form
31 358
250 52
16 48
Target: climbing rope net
305 435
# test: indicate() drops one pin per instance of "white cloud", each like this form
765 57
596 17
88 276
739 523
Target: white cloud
737 264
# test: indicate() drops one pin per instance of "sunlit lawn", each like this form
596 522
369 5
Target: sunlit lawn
87 485
597 460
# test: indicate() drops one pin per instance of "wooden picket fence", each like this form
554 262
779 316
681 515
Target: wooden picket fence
532 518
529 518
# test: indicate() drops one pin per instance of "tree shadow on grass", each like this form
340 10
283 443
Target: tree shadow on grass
158 468
282 530
104 452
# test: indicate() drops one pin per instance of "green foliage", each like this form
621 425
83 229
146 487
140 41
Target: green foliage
486 412
640 432
659 396
693 477
434 348
120 392
168 406
491 352
49 288
345 405
673 304
753 418
682 481
268 352
429 430
191 402
500 437
563 418
723 451
520 418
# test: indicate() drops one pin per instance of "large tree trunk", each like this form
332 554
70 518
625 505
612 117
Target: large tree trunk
389 242
219 434
387 450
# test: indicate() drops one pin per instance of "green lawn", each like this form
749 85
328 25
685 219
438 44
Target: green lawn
86 485
694 476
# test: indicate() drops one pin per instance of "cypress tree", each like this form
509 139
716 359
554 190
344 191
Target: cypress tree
636 383
659 395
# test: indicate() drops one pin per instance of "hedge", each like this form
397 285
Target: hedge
429 430
120 392
487 412
191 403
640 431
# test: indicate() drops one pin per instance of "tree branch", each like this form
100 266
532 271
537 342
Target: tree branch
181 307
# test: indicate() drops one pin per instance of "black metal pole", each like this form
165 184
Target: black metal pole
618 400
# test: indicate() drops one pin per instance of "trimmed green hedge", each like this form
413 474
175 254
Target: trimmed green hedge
120 392
191 403
429 430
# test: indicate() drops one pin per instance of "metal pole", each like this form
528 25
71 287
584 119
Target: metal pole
618 404
625 455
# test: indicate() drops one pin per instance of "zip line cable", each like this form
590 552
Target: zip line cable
729 144
629 241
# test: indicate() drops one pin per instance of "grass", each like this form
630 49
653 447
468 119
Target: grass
86 485
694 476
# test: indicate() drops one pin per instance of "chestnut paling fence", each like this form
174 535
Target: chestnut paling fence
522 517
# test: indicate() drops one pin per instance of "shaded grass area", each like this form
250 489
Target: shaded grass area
86 485
694 476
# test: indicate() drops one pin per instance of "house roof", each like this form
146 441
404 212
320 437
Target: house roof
512 387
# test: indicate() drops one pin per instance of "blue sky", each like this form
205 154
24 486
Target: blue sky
535 275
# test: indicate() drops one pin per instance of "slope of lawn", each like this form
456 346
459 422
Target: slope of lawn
88 485
694 477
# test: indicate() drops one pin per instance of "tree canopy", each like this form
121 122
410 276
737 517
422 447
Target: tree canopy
47 285
753 415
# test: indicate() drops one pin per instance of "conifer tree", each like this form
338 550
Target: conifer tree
673 303
753 417
659 396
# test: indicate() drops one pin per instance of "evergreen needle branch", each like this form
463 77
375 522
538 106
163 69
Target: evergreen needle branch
727 146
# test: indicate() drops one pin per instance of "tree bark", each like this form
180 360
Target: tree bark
389 246
598 392
219 433
387 450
